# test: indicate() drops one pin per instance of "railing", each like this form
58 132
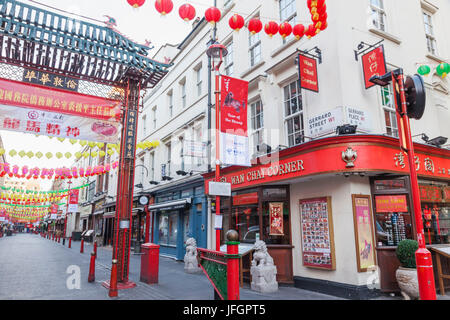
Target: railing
214 265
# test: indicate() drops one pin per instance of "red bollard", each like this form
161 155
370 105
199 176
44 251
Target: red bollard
91 277
82 246
232 265
95 249
70 242
149 263
113 292
59 239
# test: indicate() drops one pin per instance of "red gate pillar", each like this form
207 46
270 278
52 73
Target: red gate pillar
233 265
125 185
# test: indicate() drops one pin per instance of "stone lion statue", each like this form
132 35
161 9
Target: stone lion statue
190 258
261 257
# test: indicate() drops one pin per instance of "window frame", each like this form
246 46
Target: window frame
389 108
291 18
252 46
257 126
430 37
380 12
229 59
299 113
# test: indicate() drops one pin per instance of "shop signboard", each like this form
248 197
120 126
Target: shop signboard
276 219
50 80
447 194
309 79
247 198
364 236
73 200
222 189
234 140
374 64
430 193
316 225
387 204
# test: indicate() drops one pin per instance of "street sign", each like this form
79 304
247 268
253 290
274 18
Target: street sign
219 189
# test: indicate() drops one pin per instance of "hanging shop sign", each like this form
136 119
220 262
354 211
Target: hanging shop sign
276 219
364 236
73 200
447 194
374 64
13 93
130 140
387 204
59 125
50 80
234 140
430 193
309 78
317 233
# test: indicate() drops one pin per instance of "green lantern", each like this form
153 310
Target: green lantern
424 70
443 70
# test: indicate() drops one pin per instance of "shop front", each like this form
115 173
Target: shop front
85 216
179 213
108 223
346 204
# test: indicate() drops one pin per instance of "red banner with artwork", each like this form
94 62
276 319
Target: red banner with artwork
309 78
233 122
73 200
386 204
276 219
374 64
13 93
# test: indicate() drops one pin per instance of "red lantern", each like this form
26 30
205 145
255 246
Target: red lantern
298 31
236 22
254 26
271 28
164 6
213 15
136 3
285 29
187 12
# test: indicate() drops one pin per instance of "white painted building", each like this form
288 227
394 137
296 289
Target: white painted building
414 33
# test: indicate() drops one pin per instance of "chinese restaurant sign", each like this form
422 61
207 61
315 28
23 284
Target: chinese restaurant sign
309 79
386 204
59 125
363 232
430 193
130 141
243 199
18 94
374 64
317 233
233 122
276 219
50 80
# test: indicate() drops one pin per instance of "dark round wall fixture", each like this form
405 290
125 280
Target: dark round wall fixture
415 96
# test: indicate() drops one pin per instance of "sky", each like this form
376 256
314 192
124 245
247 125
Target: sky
141 24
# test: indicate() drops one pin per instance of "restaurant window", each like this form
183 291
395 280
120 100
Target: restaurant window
435 200
390 115
293 108
378 14
168 229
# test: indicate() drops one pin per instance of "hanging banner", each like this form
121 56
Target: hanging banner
276 219
233 122
364 237
374 64
309 78
57 124
54 211
73 200
13 93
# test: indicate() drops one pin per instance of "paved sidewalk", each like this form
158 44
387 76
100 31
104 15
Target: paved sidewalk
35 268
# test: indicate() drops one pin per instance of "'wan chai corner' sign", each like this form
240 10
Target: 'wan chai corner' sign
309 78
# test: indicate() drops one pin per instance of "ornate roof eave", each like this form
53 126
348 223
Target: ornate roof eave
34 37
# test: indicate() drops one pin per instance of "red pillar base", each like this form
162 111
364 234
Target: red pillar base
91 277
120 285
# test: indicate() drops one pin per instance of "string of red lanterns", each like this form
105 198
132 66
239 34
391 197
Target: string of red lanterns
187 12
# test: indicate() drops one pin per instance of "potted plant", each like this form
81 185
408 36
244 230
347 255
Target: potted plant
407 273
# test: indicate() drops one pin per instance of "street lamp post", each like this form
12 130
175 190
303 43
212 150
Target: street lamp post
217 52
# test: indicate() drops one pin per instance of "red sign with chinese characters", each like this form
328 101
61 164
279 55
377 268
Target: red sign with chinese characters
385 204
447 194
309 78
430 193
276 219
374 64
17 94
243 199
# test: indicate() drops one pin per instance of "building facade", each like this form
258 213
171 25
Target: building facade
308 167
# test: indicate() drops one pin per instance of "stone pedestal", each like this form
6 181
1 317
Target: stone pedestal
264 279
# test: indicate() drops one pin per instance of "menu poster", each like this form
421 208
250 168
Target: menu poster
317 233
276 219
364 236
